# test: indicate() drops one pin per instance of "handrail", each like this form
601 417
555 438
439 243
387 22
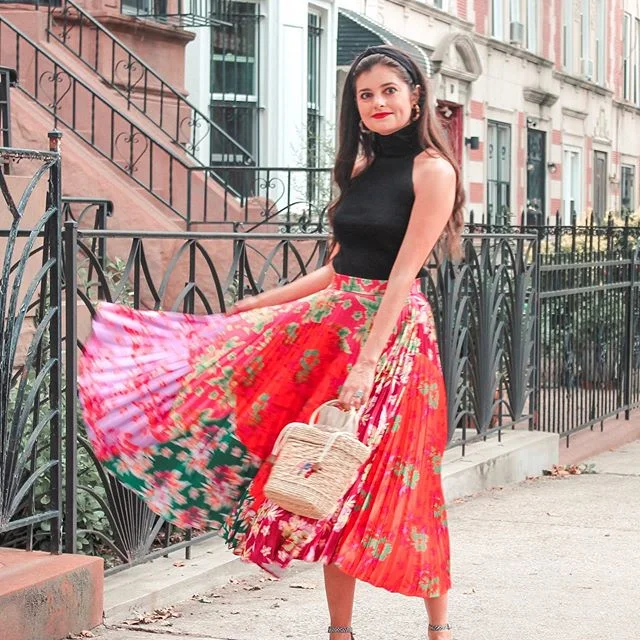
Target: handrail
7 80
111 134
128 74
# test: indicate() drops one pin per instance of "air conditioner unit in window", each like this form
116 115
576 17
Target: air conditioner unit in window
516 33
586 67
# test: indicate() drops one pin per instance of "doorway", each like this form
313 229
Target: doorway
600 186
536 165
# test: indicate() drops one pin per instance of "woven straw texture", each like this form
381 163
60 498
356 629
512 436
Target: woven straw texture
297 486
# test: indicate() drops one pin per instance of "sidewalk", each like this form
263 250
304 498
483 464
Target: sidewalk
547 558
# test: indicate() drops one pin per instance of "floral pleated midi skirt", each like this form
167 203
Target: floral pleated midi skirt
185 409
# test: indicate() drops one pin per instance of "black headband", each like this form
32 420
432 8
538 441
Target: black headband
390 53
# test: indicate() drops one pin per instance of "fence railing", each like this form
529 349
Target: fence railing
183 13
7 80
528 339
589 338
31 400
112 134
143 88
264 198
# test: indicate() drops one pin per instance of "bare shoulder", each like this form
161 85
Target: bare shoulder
430 165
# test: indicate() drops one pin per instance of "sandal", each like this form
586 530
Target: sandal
341 630
439 627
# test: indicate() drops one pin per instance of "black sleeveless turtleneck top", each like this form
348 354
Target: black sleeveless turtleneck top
371 220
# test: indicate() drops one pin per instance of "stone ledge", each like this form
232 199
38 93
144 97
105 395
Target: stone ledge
490 464
47 597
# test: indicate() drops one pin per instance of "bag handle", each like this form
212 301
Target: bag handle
354 417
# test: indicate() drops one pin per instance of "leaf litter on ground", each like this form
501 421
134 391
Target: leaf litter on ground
562 470
157 615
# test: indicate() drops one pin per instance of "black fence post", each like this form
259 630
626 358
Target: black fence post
70 241
54 241
629 341
534 421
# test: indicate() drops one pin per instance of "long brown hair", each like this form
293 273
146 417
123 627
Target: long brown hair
352 141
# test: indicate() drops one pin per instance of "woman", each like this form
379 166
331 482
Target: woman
185 409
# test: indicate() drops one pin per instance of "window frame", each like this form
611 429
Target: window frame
600 66
585 34
499 182
567 36
568 183
532 25
627 87
497 19
628 169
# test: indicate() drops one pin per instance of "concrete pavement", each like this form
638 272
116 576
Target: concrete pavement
551 557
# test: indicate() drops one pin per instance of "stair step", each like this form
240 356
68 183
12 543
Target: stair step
46 597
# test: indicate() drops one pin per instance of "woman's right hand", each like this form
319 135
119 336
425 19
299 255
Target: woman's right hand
246 304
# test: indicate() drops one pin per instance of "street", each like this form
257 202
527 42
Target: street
552 557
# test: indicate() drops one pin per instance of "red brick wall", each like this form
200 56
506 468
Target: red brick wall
462 9
555 205
481 10
476 193
556 152
477 155
476 110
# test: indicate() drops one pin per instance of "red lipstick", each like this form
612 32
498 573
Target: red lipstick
379 116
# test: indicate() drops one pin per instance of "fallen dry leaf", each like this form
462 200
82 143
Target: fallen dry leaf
562 470
178 563
203 599
155 616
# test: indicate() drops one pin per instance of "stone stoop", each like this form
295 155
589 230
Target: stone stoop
47 597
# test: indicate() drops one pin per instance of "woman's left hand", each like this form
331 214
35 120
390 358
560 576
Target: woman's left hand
358 385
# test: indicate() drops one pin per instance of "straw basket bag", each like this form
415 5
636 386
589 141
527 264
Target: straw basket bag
316 463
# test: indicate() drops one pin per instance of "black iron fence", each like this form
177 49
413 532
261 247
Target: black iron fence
528 339
264 198
7 80
31 402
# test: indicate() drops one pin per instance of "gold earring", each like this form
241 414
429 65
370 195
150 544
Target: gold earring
364 129
415 110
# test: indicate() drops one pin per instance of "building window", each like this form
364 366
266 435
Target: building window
627 63
631 59
636 64
497 19
571 185
314 40
627 200
586 64
498 173
533 13
567 35
601 47
234 77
